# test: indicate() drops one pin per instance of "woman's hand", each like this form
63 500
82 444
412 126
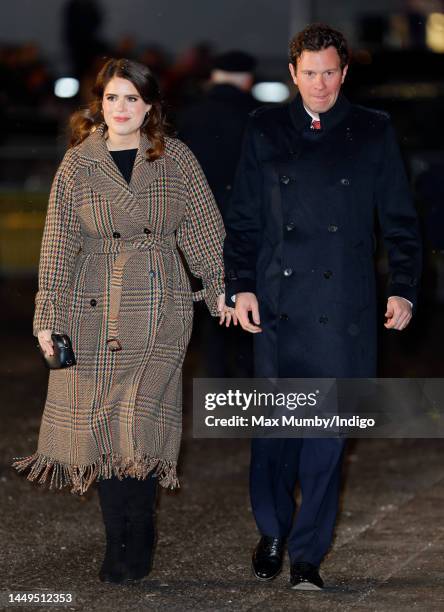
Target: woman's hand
226 313
45 342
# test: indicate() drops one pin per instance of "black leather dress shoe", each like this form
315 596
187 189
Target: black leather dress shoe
305 577
267 558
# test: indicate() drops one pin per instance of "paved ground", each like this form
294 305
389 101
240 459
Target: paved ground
388 553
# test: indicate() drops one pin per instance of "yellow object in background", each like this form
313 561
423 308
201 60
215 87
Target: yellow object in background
22 218
435 32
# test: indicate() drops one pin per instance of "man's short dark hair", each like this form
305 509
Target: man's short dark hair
317 37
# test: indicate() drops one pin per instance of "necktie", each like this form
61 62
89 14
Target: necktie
315 124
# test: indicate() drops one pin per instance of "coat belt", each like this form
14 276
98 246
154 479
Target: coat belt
139 242
125 249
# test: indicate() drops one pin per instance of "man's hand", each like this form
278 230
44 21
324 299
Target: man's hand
45 342
246 302
399 313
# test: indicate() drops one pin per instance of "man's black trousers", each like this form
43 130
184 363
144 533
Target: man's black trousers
277 465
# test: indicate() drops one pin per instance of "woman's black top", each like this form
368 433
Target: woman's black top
124 160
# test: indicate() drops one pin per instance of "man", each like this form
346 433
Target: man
299 259
213 128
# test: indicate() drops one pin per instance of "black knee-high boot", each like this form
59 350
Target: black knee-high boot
140 534
112 502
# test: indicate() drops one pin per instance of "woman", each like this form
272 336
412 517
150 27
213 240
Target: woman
123 199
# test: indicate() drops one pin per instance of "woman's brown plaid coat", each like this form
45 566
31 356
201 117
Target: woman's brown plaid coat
111 277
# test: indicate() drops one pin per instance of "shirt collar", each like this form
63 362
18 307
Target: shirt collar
302 119
313 115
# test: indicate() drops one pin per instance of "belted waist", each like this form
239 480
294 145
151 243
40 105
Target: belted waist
139 242
125 248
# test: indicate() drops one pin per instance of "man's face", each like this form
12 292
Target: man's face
319 77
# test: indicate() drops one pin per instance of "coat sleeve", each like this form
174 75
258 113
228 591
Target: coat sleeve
243 219
60 246
201 233
399 221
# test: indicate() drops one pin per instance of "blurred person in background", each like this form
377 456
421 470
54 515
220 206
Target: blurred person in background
299 256
26 77
82 21
183 81
124 199
156 59
213 128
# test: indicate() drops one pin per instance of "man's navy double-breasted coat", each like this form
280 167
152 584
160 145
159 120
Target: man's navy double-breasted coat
300 235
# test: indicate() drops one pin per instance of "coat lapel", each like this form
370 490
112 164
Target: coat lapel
104 177
144 172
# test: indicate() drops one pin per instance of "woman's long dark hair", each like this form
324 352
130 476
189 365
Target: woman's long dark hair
83 122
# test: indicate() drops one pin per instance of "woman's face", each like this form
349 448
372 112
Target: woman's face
124 109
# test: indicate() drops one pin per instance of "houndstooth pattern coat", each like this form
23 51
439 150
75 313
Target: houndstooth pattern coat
111 277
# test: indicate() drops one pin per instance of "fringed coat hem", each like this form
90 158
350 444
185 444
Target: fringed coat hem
46 470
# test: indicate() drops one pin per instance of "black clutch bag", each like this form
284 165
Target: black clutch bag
63 354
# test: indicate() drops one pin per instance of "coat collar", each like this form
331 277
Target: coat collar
94 148
302 120
104 177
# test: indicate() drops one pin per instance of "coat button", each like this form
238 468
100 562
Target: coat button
116 235
328 273
332 228
290 226
345 182
93 302
288 272
284 316
323 319
285 180
146 231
